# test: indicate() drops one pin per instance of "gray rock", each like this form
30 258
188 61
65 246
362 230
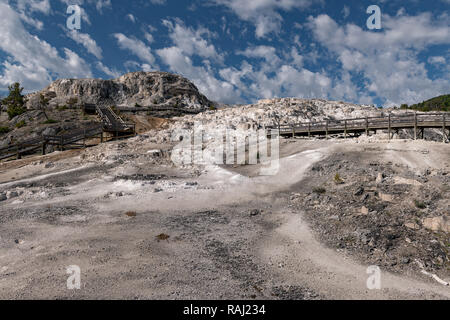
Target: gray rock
143 88
12 194
359 192
3 197
49 165
49 132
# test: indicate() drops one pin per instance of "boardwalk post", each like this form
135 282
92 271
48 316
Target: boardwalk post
309 129
345 131
415 125
44 146
367 126
389 128
101 137
326 130
443 128
84 138
19 156
293 132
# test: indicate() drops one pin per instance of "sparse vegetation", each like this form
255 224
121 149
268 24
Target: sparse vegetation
51 121
131 214
137 105
319 190
338 179
21 124
420 204
4 130
162 237
61 108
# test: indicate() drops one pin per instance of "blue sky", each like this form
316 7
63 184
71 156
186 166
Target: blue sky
237 51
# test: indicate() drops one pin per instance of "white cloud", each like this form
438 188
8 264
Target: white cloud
187 43
203 77
192 41
137 47
131 17
86 41
99 4
276 77
31 61
110 72
437 59
388 60
158 2
30 6
346 12
264 14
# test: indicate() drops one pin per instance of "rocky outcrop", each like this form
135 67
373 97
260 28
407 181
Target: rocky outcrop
141 88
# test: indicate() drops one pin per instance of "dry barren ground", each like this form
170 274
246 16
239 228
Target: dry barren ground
140 228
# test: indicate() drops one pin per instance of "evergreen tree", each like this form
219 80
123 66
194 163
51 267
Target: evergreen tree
43 102
15 101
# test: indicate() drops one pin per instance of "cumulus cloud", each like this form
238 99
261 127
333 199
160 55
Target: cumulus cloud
86 41
264 14
388 60
202 76
137 47
99 4
191 40
106 70
31 61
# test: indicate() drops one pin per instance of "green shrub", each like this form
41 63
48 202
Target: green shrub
420 204
338 179
50 121
14 111
4 130
319 190
61 108
21 124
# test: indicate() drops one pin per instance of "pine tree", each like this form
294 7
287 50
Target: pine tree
15 101
43 101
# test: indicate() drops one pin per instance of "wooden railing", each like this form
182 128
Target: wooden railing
390 122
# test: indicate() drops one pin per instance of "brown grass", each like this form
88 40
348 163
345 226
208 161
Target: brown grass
130 213
162 237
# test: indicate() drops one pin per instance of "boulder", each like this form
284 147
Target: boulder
12 194
412 225
437 224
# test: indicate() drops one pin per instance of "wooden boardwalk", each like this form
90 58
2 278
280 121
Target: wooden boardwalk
111 123
391 123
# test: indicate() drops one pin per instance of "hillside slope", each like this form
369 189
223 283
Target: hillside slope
142 88
441 103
